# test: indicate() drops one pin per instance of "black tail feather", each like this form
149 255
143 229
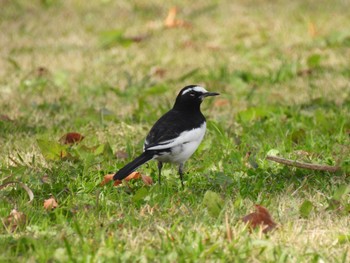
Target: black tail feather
130 167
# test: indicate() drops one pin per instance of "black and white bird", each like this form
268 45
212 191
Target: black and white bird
176 135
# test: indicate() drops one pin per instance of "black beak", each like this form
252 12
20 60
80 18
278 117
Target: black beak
208 94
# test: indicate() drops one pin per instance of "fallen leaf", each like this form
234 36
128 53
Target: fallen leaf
343 238
261 217
4 117
305 209
117 182
52 150
312 29
109 177
14 220
50 204
171 21
147 179
24 186
341 191
133 175
305 72
137 39
213 202
140 194
42 72
106 179
71 138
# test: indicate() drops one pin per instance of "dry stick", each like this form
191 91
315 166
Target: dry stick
310 166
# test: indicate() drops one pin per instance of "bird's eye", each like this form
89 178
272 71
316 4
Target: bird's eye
192 94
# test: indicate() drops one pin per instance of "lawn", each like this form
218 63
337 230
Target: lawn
109 69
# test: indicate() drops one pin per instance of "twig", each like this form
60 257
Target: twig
310 166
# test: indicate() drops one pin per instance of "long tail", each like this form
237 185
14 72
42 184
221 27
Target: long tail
130 167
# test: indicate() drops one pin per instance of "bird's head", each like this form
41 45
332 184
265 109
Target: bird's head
192 96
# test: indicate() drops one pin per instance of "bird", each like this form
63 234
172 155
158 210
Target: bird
176 135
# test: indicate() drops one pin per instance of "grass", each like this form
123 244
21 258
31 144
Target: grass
282 69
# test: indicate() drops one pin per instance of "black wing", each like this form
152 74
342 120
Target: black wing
171 125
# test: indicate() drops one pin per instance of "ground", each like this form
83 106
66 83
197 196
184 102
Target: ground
109 69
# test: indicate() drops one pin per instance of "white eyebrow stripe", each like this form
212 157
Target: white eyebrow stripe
196 88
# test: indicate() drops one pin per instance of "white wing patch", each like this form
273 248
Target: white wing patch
194 135
196 88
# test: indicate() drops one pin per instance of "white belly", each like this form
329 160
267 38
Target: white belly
184 146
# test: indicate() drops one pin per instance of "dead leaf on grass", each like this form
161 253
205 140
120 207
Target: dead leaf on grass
132 176
261 217
109 177
305 72
42 72
4 117
137 39
71 138
50 204
147 180
312 29
171 21
106 179
14 220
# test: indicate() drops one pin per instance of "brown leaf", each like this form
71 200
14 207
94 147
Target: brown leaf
133 175
261 217
50 204
137 39
4 117
42 72
117 182
304 72
71 138
14 220
147 180
171 20
106 179
109 177
312 29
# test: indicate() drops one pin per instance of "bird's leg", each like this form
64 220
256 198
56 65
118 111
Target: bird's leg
160 166
181 173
